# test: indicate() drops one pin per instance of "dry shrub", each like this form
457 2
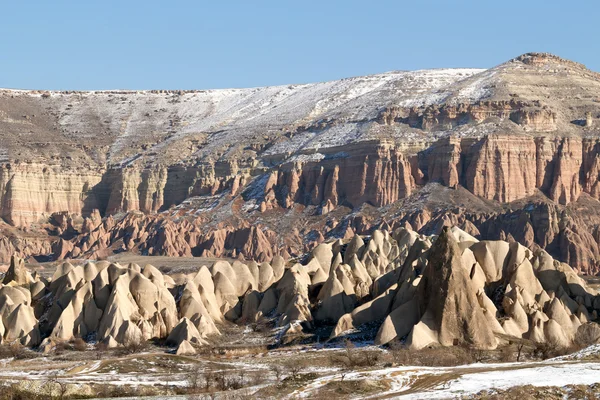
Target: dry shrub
100 349
55 387
20 352
436 356
208 381
293 368
262 325
5 352
587 335
353 358
506 354
529 392
109 391
547 350
135 344
194 379
277 371
14 392
349 388
230 380
79 344
515 350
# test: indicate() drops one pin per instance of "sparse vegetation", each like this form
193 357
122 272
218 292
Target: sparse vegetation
353 388
354 358
437 356
135 344
79 344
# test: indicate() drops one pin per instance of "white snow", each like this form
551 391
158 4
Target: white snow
233 116
549 375
473 378
593 350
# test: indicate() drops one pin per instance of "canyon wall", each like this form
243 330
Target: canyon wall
532 116
30 192
503 168
509 168
378 173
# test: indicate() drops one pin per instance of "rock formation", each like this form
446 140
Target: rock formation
216 173
443 290
461 290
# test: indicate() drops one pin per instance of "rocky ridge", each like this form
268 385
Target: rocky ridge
212 170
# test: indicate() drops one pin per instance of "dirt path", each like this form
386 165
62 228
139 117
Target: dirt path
450 382
457 381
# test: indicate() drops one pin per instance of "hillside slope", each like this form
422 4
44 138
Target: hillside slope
508 151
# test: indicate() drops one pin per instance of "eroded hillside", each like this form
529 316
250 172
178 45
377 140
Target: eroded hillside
254 173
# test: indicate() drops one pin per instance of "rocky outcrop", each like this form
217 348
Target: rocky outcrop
532 116
17 273
377 173
464 291
156 188
255 173
449 309
30 193
501 168
568 234
427 291
507 168
443 161
160 235
24 246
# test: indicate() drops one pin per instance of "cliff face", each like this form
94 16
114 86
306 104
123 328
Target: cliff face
497 167
376 173
30 192
532 116
507 168
258 172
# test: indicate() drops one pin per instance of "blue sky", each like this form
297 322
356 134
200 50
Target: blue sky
90 44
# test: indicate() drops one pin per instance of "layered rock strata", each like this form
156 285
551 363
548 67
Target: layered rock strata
214 171
503 168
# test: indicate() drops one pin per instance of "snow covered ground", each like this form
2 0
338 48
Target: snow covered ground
340 110
544 375
403 382
451 382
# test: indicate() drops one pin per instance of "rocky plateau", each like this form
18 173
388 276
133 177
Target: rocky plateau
507 153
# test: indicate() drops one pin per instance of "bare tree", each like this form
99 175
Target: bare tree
293 368
194 378
276 369
519 350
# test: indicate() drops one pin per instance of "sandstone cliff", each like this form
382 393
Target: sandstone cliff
259 172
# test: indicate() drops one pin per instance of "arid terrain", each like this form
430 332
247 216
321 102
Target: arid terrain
424 234
309 372
397 315
253 173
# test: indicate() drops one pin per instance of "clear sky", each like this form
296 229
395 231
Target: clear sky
130 44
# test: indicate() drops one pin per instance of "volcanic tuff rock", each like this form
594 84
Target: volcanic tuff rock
235 163
423 290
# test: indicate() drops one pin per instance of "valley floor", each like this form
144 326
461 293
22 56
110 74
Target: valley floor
310 372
